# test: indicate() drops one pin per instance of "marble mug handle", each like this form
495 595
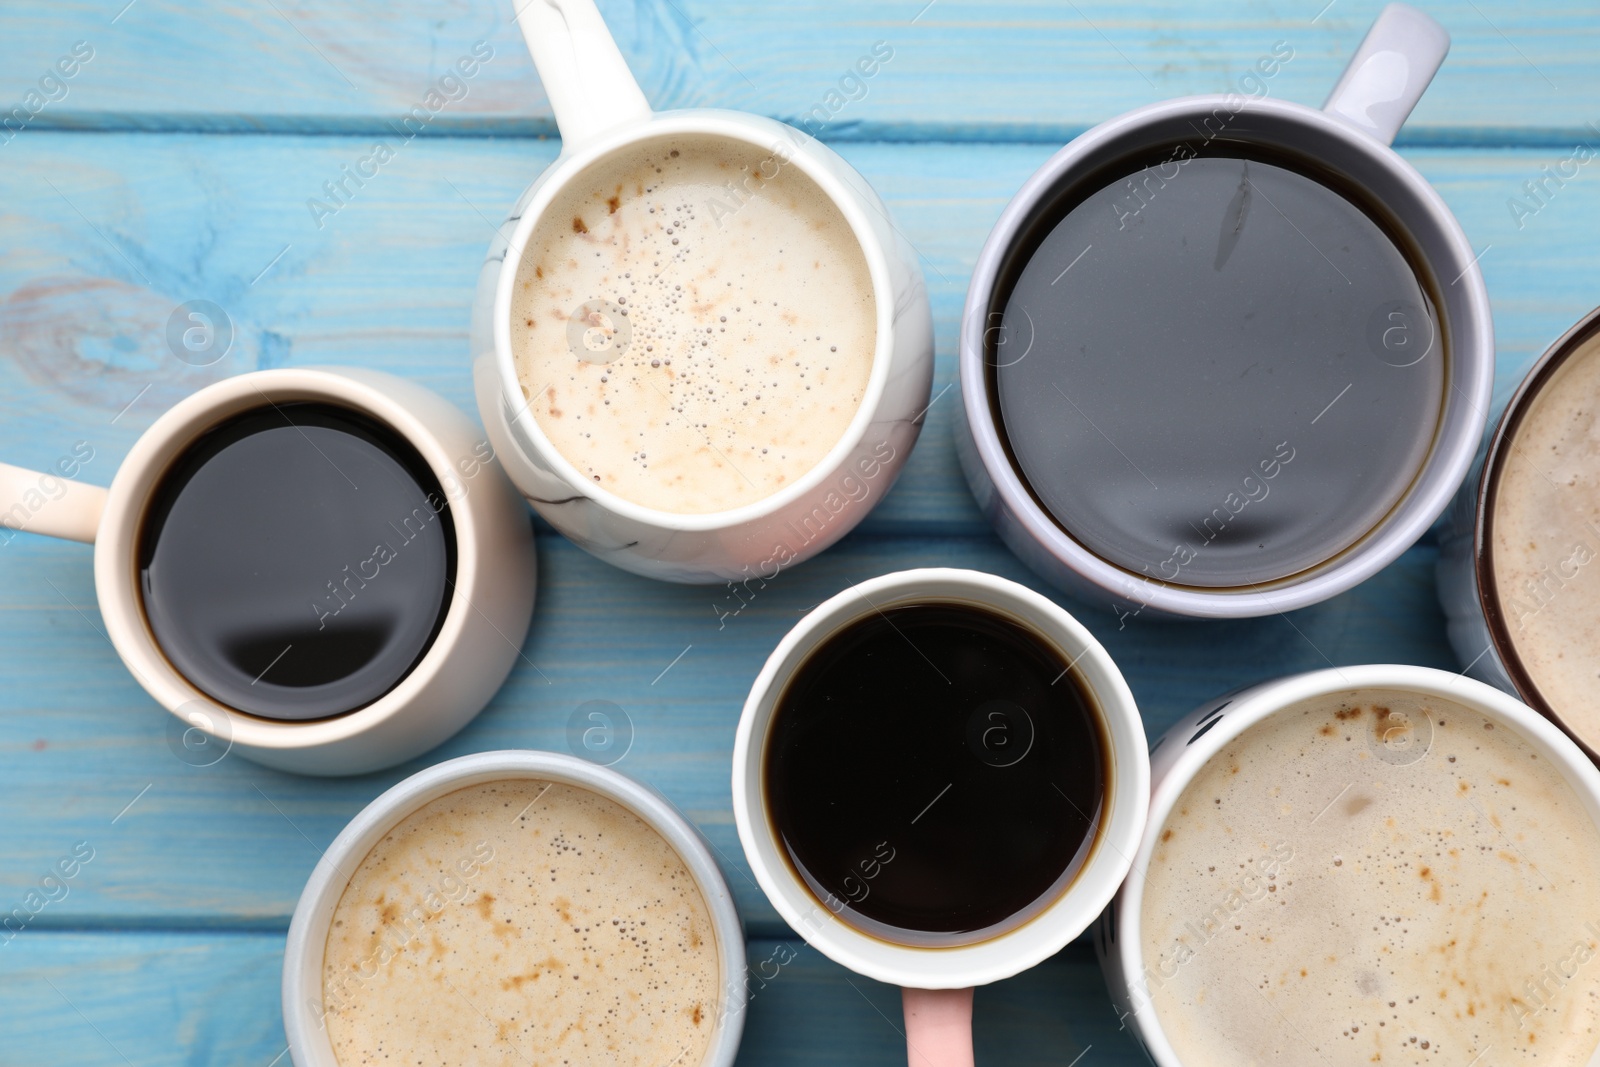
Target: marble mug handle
588 82
1389 72
48 504
938 1027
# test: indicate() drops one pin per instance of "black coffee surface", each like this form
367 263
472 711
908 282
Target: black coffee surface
1217 371
296 561
936 774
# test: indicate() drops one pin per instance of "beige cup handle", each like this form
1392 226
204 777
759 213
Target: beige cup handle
938 1027
49 504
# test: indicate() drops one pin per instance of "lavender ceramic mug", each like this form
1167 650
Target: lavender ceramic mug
1348 138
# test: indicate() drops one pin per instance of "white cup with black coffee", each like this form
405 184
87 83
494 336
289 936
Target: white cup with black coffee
939 780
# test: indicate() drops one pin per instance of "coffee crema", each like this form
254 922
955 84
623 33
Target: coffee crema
516 922
1375 876
1544 534
1216 366
693 324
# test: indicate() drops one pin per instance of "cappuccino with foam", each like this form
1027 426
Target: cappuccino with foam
519 922
693 323
1375 877
1544 536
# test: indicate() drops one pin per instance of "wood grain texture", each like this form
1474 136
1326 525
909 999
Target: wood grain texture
962 69
178 166
107 233
231 845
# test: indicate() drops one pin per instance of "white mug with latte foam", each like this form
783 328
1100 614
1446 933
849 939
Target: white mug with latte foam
465 946
702 349
1379 862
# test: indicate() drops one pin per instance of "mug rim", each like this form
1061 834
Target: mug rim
1064 918
307 936
711 123
128 499
1485 494
1455 444
1253 704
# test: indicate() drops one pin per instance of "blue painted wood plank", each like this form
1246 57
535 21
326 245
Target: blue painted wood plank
962 69
201 999
89 274
88 757
105 234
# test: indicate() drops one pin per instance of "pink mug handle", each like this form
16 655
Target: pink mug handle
938 1027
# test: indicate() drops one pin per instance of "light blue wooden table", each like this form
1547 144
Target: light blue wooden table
176 164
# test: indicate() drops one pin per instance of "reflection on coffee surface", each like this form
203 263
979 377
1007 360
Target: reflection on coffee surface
1373 877
936 774
693 324
1544 532
296 561
520 922
1216 370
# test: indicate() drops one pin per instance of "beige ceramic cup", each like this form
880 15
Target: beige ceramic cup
491 599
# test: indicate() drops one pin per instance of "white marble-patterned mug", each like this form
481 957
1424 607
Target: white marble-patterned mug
604 117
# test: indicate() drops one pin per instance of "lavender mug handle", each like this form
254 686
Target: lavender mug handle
1389 72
